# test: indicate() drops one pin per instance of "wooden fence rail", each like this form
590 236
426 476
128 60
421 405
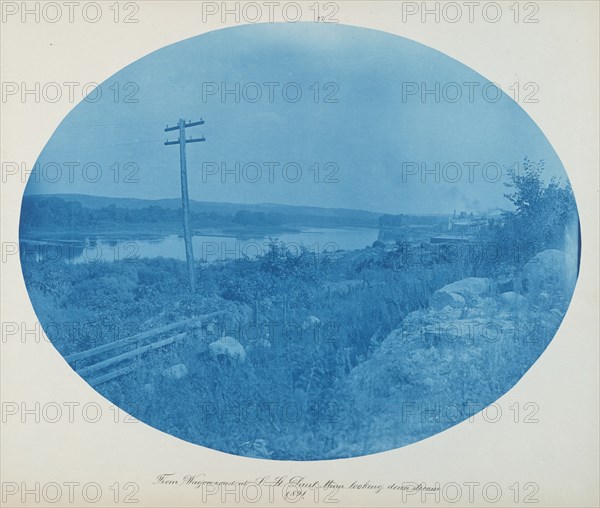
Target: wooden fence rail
140 336
130 355
75 358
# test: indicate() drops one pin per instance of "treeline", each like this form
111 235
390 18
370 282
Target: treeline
389 221
53 212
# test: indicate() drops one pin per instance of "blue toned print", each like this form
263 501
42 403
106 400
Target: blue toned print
299 241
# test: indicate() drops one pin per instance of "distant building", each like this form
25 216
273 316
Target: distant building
462 228
466 224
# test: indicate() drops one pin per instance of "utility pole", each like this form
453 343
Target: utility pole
185 200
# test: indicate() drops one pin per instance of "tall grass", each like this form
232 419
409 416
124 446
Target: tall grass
291 398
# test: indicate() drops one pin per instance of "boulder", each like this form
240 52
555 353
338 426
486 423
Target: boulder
471 286
178 371
441 299
550 272
227 347
458 293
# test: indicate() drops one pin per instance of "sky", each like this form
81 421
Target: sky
376 145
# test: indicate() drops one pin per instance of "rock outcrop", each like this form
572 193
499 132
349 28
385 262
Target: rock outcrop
460 293
549 272
465 322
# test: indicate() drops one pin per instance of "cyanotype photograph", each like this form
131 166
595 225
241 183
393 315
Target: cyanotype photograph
300 242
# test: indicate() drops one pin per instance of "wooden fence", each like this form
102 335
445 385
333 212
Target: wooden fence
116 356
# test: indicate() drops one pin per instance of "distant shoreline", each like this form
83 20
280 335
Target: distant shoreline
160 231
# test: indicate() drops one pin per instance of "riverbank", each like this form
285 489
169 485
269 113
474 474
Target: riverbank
145 231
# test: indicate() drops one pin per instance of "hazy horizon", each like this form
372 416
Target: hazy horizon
178 198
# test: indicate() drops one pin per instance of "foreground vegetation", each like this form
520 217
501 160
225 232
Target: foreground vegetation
310 390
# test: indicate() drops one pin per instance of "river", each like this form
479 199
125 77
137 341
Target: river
207 248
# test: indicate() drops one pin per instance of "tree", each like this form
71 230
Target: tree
542 212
